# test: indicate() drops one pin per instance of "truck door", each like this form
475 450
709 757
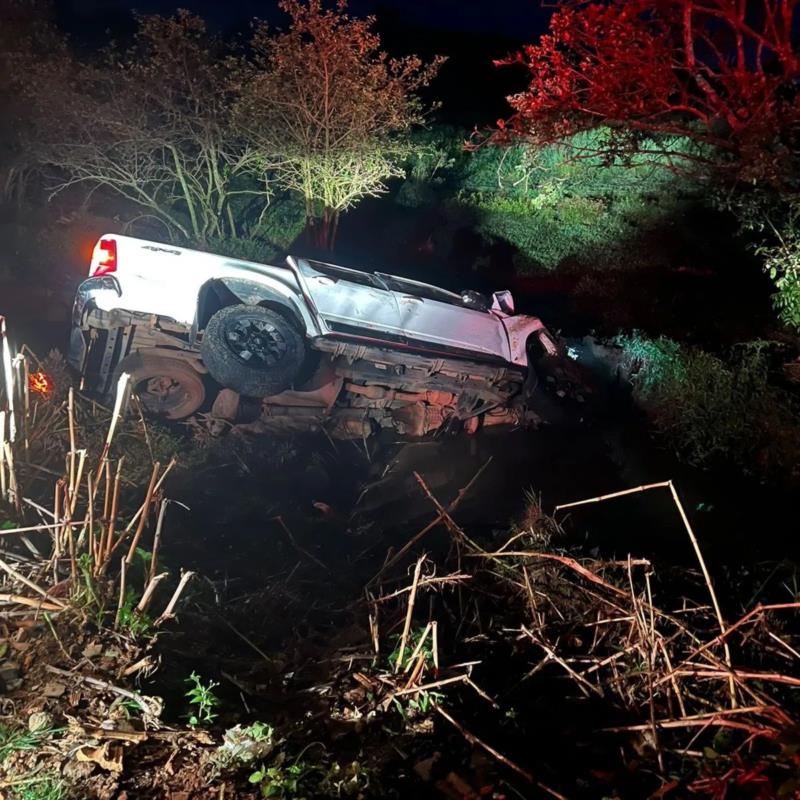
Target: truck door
349 301
430 314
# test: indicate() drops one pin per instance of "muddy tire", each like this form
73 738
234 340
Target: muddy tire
253 350
166 387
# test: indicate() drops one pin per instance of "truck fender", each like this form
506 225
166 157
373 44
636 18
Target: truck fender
222 292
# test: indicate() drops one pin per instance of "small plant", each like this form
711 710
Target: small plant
420 706
243 745
19 739
134 622
411 645
202 697
281 780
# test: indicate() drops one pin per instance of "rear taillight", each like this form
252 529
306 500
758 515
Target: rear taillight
104 258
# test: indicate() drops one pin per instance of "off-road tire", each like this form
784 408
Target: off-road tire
166 387
280 346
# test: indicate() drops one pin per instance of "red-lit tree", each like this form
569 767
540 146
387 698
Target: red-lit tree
722 72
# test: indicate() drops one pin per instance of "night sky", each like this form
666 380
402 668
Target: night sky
513 18
471 33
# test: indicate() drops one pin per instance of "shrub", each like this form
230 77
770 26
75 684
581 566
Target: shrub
708 408
558 205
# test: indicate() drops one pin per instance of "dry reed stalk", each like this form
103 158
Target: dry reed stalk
698 553
39 605
412 658
156 489
71 419
409 612
435 645
446 579
42 527
26 402
13 488
759 609
3 484
29 583
119 401
431 525
92 544
717 610
444 515
58 490
433 685
148 499
476 742
107 493
551 654
75 487
603 497
8 380
147 595
111 521
416 672
121 601
169 611
157 538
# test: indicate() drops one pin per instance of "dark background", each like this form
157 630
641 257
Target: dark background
471 33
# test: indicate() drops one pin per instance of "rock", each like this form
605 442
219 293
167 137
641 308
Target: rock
40 720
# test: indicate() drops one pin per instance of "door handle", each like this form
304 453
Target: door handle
411 297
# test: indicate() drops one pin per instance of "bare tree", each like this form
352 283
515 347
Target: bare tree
153 124
326 109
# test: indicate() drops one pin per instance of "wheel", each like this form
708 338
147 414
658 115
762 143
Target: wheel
253 350
166 387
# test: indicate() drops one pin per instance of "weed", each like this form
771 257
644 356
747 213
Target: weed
281 780
19 739
46 788
243 745
133 621
411 644
203 698
421 705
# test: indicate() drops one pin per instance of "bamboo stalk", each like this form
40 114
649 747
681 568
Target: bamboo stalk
147 596
30 584
143 519
409 612
157 538
718 612
603 497
169 611
42 605
8 378
121 602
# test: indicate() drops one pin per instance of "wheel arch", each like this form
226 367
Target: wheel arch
219 293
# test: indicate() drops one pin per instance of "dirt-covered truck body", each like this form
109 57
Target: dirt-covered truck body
317 345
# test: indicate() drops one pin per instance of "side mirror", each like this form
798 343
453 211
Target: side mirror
503 301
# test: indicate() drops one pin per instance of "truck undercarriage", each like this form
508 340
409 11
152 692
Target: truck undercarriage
349 390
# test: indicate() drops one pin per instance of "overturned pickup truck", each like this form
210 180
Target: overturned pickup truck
317 345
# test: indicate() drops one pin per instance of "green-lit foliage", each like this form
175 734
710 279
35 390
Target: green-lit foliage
775 219
269 236
570 205
708 408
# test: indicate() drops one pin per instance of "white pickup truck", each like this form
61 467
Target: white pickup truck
319 345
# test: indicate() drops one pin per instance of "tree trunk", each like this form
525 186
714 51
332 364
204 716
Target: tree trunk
322 230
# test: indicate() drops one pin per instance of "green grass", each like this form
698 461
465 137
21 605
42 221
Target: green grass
17 739
46 788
